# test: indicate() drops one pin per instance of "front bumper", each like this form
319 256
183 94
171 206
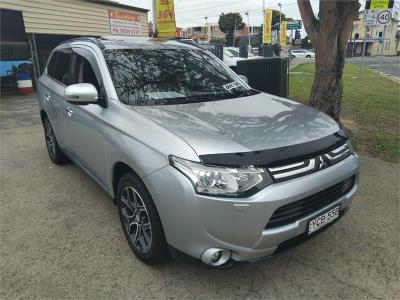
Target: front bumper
193 223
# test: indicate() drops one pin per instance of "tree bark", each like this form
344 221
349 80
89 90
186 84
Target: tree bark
329 34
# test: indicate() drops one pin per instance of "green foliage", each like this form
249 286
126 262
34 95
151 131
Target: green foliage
227 22
230 22
373 112
275 17
305 44
218 41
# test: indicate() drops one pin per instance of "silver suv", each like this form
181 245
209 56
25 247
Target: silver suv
199 164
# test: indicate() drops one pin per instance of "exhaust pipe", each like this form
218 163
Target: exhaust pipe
215 256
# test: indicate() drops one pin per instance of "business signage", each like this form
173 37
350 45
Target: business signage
267 32
379 4
294 25
282 34
179 32
165 18
124 23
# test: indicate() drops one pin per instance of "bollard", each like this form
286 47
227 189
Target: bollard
243 52
269 75
266 51
219 52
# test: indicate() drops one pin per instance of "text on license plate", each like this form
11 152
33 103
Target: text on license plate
323 219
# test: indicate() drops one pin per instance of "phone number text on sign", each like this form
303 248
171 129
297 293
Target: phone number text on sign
124 23
124 31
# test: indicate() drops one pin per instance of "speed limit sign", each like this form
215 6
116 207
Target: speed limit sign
384 17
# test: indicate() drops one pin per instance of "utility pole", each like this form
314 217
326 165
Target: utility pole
363 53
280 22
263 20
248 25
206 18
234 30
382 45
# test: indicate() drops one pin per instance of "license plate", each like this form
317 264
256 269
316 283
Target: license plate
323 220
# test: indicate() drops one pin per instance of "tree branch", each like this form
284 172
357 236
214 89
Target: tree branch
311 23
348 11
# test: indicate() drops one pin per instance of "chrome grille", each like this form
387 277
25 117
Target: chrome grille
307 166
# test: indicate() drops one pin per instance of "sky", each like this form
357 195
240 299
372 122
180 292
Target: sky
192 12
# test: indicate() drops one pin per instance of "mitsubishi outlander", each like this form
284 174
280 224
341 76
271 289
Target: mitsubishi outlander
198 162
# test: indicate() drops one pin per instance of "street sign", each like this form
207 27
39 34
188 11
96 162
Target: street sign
384 17
371 17
293 25
379 4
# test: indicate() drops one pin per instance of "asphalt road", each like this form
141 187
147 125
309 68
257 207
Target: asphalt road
389 66
61 238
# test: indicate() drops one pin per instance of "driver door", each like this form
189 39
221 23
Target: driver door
85 130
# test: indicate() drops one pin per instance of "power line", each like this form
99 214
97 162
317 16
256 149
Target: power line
195 19
212 7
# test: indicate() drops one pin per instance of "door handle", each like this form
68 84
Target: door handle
48 96
69 111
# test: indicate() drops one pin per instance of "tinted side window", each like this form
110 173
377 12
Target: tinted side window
62 67
84 72
59 67
51 67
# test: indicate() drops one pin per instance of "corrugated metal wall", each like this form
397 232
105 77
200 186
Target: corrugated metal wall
67 17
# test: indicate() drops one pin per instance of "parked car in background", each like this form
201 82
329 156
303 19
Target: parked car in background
236 52
199 163
302 53
231 58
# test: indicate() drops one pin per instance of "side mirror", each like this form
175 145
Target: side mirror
81 93
244 78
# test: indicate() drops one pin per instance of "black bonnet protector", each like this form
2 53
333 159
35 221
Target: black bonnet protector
276 156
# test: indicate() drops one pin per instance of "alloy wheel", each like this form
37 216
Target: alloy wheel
50 139
136 219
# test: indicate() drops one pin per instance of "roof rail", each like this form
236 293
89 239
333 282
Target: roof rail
93 40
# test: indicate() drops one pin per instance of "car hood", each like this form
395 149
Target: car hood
252 123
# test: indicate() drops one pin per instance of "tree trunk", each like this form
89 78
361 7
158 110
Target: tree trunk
329 35
327 90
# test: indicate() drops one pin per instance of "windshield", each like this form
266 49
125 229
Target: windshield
233 52
171 76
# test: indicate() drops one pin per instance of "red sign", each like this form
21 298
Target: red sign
179 32
124 23
123 15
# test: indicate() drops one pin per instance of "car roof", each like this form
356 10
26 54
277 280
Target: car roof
123 42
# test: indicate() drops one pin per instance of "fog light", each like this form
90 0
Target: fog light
215 256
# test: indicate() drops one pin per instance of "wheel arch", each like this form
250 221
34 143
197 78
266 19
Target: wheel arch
43 115
120 169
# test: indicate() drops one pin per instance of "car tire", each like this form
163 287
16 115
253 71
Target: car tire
140 221
308 56
53 149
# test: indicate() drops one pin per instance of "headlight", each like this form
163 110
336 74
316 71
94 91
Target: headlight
350 147
222 181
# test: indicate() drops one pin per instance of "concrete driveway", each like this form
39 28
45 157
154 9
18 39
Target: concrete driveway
61 238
